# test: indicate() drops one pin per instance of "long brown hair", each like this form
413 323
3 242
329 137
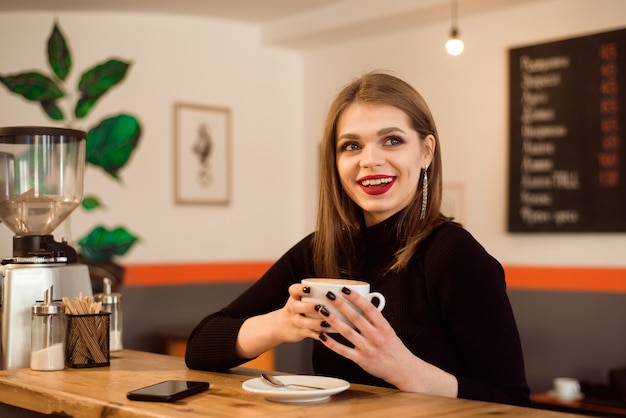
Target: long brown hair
339 219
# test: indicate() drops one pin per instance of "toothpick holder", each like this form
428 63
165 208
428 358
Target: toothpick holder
87 343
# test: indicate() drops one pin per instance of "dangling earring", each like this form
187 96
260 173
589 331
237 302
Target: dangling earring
424 192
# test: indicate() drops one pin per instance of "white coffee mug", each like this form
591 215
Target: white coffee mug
321 286
566 388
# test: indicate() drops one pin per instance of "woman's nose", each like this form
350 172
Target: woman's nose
371 157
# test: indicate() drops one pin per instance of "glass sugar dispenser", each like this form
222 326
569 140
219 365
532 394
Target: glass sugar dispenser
48 334
112 302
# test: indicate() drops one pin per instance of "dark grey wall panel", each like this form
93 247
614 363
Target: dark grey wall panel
150 312
581 335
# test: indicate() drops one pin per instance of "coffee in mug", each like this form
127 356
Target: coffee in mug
320 286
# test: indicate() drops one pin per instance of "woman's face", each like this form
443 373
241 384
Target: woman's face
379 157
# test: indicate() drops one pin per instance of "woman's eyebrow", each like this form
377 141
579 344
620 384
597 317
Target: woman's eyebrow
347 136
389 130
384 131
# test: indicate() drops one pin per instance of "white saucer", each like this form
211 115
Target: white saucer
576 397
331 386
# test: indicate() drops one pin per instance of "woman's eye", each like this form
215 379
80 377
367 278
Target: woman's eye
350 146
394 140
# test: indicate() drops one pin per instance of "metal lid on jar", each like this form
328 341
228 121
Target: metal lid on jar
48 306
54 308
108 297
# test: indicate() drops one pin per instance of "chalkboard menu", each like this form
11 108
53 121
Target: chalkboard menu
567 168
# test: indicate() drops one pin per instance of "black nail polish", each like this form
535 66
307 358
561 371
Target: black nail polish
324 311
323 337
325 324
318 307
346 291
306 289
331 296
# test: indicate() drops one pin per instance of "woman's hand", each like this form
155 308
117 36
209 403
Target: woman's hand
287 324
379 351
295 325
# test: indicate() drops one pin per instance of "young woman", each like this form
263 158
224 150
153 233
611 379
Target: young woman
447 328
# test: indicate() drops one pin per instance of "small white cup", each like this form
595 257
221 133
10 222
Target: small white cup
320 286
566 388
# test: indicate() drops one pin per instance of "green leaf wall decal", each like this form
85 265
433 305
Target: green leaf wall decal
91 202
52 109
111 143
99 79
101 244
32 86
59 56
84 105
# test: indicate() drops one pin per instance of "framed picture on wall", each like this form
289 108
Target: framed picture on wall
202 155
453 201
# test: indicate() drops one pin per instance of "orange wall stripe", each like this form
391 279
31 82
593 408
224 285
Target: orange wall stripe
581 279
194 273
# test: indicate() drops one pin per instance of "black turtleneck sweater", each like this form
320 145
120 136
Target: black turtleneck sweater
449 307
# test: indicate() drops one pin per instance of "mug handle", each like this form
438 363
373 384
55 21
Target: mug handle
380 297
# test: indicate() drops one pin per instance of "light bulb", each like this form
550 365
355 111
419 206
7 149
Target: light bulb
454 46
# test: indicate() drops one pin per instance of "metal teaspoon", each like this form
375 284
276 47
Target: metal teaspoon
277 383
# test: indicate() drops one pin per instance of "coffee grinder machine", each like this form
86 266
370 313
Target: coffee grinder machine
41 183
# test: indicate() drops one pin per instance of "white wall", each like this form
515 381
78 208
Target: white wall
279 98
190 60
468 95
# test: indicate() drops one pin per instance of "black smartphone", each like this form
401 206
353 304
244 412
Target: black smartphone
168 391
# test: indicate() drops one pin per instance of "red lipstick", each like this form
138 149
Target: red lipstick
376 185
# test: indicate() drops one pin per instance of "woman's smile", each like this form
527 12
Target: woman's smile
375 185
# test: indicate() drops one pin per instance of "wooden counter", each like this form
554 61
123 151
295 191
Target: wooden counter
101 392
